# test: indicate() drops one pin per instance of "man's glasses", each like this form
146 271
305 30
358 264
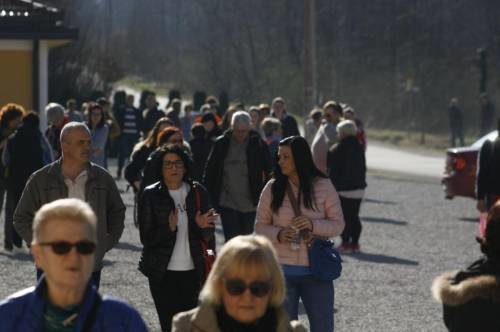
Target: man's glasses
171 164
237 287
64 247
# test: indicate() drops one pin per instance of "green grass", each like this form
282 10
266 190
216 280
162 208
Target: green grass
413 139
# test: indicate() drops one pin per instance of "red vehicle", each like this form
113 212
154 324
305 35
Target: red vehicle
460 171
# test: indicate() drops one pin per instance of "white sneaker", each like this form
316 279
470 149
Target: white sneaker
19 251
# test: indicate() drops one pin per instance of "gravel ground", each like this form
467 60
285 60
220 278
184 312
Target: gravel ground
410 235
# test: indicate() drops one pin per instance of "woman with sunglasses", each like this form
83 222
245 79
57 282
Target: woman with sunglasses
64 243
317 213
244 292
175 216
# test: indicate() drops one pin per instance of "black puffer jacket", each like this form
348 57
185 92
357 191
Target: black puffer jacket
158 240
346 165
258 163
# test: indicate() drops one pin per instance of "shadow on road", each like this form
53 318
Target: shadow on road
18 257
384 259
128 246
377 201
384 221
468 219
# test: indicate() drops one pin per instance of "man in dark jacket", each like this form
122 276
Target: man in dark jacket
235 174
130 121
288 122
151 114
74 176
488 175
455 120
487 114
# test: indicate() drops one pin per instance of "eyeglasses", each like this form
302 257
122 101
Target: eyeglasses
236 287
171 164
64 247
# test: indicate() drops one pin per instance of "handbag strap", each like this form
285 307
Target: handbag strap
197 198
293 200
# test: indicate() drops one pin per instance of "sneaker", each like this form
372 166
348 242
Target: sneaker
8 248
355 248
19 250
345 248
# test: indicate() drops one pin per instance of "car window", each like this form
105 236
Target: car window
491 136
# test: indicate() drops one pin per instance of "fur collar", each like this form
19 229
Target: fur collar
483 286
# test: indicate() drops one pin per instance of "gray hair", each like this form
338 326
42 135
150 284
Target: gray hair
65 209
346 128
241 117
72 126
54 112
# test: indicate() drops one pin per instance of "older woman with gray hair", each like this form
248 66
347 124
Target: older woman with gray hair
55 121
236 171
244 292
64 246
347 169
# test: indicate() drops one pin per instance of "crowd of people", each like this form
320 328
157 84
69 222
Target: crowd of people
272 190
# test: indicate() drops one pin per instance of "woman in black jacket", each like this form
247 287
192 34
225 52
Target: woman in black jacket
346 166
471 297
175 216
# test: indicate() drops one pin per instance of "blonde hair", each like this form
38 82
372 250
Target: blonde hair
65 209
244 253
346 128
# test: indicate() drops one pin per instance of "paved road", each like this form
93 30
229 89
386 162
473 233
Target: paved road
410 234
380 157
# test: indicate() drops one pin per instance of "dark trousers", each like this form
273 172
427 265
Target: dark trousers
11 236
176 292
236 223
126 143
317 297
95 278
352 230
457 135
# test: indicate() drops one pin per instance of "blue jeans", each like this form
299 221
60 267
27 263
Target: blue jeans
317 297
236 223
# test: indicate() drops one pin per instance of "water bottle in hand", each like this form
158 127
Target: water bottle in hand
295 242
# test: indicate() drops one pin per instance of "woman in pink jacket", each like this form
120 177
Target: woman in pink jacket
319 214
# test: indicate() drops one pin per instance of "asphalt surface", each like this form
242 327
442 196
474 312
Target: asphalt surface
410 235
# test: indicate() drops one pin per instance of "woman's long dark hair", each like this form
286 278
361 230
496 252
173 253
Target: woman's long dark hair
100 124
306 171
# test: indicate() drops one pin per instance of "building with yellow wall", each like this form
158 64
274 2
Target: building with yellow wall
28 30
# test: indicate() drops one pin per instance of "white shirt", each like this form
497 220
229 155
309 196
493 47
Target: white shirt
76 188
181 256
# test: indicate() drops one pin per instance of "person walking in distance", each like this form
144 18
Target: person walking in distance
288 122
74 176
236 171
455 119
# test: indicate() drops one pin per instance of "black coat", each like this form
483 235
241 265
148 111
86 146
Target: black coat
200 148
25 156
289 126
470 298
133 171
258 163
488 176
158 240
346 165
150 116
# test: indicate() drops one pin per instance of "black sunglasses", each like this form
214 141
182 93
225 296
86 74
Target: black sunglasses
237 287
64 247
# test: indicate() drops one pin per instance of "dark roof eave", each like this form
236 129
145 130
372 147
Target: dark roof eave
66 34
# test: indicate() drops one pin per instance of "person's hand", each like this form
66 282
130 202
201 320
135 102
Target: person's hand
286 234
481 206
173 219
302 223
97 151
137 185
207 219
